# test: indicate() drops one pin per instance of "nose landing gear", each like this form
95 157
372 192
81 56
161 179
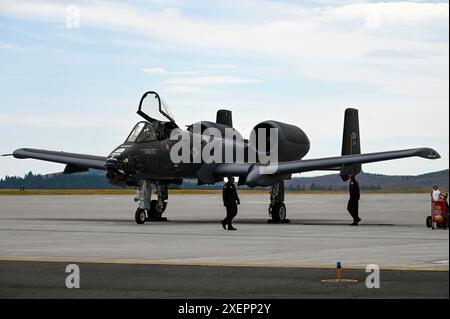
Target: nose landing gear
148 209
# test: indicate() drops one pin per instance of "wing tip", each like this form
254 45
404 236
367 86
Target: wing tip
429 153
19 153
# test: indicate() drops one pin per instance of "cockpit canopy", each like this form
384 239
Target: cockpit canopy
151 100
152 128
141 133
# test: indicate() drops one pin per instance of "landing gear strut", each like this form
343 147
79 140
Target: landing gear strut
148 209
277 208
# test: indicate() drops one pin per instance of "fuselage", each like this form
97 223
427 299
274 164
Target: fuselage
153 157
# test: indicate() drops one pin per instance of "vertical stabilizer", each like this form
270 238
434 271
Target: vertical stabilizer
351 142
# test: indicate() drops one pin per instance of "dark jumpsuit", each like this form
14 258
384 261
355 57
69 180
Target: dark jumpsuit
352 206
230 201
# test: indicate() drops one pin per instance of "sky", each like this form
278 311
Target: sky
72 72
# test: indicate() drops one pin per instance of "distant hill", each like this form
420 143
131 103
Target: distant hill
97 180
372 182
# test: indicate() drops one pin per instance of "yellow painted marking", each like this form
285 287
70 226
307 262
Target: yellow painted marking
206 264
339 281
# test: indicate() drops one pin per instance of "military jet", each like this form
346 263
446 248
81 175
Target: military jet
144 159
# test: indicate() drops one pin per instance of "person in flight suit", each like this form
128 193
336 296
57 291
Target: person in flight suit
230 201
353 202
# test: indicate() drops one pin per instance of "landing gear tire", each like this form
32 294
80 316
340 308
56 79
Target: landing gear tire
139 216
277 209
156 210
279 214
428 222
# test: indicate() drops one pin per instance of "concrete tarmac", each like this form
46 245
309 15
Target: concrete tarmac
392 234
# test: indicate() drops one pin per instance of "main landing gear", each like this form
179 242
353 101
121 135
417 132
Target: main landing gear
277 208
148 209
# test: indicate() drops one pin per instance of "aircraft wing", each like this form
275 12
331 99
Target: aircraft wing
75 162
264 175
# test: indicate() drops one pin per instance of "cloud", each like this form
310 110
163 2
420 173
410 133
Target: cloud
63 121
188 82
185 89
326 43
198 84
389 59
159 71
218 66
211 80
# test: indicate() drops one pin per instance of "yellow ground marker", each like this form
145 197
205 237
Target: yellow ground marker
339 277
208 264
339 281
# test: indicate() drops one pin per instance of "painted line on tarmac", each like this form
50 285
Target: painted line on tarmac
440 262
210 264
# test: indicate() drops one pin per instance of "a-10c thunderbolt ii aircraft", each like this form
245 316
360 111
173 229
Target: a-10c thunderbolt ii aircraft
145 159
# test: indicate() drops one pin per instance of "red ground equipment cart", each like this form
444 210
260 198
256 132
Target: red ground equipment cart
439 214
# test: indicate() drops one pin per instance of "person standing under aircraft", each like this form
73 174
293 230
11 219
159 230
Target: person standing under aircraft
353 202
230 201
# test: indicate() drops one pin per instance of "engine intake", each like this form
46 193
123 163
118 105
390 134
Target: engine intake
293 144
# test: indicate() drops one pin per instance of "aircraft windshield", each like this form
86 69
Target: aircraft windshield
142 132
135 132
148 134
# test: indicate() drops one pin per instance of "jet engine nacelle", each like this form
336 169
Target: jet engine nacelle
293 144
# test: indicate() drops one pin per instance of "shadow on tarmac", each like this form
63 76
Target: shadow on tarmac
312 222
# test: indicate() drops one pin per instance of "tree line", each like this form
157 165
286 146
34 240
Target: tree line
98 180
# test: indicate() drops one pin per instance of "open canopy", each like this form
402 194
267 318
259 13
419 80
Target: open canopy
151 100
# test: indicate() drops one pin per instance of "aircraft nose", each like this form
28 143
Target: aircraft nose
112 163
115 159
123 164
